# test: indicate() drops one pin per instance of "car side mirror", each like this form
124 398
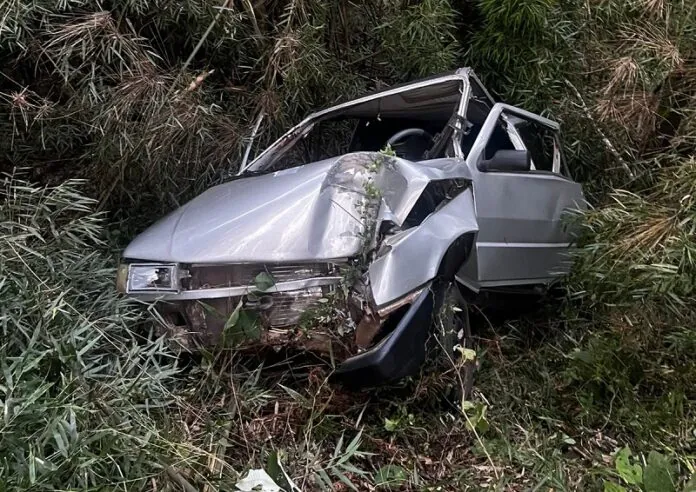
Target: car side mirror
507 161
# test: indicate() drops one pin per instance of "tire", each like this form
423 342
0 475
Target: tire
452 341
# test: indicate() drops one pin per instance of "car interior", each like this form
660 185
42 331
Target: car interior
415 123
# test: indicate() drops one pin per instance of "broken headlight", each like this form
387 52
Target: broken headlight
145 277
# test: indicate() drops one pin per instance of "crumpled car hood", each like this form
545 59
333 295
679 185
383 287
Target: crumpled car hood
287 216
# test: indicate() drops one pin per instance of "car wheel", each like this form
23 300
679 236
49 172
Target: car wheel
453 344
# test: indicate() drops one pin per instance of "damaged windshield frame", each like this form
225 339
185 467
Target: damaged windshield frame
286 142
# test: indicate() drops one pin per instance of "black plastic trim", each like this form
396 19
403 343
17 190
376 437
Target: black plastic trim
399 355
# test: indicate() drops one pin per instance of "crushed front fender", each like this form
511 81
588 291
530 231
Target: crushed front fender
414 256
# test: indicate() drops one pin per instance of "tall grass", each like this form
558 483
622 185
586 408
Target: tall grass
151 103
86 396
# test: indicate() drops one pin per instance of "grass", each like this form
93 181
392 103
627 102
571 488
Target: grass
544 416
91 400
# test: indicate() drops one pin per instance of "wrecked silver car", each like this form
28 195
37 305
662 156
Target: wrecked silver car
325 229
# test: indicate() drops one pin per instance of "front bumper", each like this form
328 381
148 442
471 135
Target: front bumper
399 354
277 316
271 319
201 302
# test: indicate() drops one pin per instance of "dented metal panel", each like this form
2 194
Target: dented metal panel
402 182
287 216
522 237
414 255
295 215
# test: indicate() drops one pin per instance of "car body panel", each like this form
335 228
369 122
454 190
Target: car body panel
415 254
522 238
402 182
285 216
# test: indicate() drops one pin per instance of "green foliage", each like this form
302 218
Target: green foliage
612 487
264 281
340 465
658 474
631 473
634 278
639 249
427 29
618 76
390 476
521 50
152 102
84 393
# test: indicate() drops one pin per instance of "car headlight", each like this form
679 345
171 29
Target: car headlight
147 277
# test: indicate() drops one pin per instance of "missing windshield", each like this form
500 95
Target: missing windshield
409 121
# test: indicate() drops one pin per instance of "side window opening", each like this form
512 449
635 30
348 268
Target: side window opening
499 140
563 164
540 141
512 132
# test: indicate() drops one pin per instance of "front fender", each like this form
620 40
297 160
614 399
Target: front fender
415 255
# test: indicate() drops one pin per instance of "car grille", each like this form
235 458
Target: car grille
242 275
277 311
288 307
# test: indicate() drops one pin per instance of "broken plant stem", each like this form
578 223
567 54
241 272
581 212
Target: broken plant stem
254 131
605 139
196 83
198 46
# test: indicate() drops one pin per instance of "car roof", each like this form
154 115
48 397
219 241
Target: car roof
464 73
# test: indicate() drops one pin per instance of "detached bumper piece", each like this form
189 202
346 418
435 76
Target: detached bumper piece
398 355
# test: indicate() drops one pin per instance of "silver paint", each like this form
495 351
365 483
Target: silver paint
522 239
287 216
402 182
416 253
221 292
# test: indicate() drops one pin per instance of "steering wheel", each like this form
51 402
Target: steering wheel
400 139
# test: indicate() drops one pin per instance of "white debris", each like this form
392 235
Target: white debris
257 481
